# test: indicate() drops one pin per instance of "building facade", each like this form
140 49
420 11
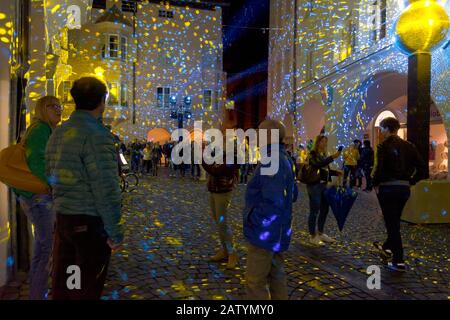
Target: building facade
334 68
152 60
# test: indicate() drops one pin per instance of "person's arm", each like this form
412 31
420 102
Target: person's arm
317 162
419 164
100 160
378 166
36 142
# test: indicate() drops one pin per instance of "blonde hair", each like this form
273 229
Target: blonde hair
41 111
317 142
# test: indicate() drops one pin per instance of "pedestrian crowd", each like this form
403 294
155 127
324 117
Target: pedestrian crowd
77 219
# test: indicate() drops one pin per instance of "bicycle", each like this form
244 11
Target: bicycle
128 182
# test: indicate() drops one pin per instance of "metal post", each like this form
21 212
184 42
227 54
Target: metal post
419 100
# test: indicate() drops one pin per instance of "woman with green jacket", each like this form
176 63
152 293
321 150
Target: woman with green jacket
38 207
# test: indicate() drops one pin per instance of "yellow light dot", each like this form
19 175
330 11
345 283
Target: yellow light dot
187 23
2 16
4 39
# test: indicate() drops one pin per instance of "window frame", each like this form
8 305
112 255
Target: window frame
123 48
204 102
163 97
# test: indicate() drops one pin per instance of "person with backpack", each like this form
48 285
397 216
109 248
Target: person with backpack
38 207
398 165
318 176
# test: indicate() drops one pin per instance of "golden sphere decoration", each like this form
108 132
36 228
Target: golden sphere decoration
422 26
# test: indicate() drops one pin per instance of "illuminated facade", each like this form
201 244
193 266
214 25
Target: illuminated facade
171 51
338 68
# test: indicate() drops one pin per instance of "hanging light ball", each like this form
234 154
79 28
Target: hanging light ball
422 26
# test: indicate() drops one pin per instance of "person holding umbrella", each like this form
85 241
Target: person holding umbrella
318 204
398 165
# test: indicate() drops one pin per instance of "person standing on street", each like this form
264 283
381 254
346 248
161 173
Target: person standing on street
318 204
82 168
267 221
38 207
367 159
398 165
351 157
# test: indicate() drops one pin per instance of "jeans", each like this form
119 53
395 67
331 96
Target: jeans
318 207
80 240
350 170
195 170
243 173
392 200
265 276
38 210
367 173
219 203
146 165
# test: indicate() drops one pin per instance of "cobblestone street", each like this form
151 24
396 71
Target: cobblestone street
169 240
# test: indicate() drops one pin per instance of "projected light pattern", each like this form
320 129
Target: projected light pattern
343 45
177 49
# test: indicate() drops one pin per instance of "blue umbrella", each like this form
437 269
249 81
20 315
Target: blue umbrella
341 200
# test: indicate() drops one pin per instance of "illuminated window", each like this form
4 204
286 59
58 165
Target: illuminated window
207 99
113 46
163 97
114 90
123 48
124 95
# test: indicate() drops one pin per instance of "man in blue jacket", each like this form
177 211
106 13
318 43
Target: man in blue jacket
267 220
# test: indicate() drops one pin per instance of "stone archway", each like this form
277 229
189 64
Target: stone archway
388 91
160 135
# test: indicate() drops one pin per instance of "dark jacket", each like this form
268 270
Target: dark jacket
222 177
396 160
268 206
322 163
367 157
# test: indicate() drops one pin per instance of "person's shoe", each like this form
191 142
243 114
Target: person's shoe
219 256
400 267
315 240
327 239
232 261
385 254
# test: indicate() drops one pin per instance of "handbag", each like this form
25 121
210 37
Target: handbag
15 173
308 174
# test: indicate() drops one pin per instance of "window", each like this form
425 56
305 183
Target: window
66 96
165 14
113 46
99 4
207 99
310 63
378 17
123 48
124 95
216 100
163 97
114 93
